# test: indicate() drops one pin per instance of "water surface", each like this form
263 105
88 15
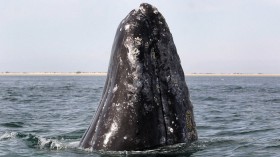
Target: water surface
46 116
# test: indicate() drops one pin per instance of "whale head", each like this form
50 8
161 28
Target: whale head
145 103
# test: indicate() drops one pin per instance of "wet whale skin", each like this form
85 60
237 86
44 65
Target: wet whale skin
145 103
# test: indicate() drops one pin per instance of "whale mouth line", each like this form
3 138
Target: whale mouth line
158 87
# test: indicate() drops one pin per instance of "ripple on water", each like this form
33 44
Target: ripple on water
65 143
13 124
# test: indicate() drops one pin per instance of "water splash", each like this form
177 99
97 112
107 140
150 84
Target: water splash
38 142
8 135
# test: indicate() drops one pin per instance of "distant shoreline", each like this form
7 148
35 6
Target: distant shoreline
105 74
53 74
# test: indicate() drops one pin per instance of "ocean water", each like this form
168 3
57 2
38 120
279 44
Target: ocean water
46 116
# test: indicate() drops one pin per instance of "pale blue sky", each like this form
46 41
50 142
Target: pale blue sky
211 36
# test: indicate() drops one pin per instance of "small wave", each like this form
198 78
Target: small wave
236 132
34 141
71 135
66 87
11 99
273 147
273 100
233 88
44 143
13 124
51 144
181 149
255 131
211 99
218 141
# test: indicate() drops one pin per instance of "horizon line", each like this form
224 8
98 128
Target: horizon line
79 73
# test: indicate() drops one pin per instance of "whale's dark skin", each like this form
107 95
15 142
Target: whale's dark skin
145 102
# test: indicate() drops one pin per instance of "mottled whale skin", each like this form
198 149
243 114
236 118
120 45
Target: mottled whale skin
145 102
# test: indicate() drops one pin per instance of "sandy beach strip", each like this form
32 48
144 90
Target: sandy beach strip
232 75
53 74
105 74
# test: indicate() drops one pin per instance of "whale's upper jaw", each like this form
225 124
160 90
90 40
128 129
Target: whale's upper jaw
148 10
145 23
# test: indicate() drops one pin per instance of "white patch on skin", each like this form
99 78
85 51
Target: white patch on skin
146 44
170 129
126 27
130 104
112 131
155 10
132 55
135 11
142 9
138 17
168 78
115 88
107 138
133 52
124 137
121 62
162 140
138 83
138 41
130 88
132 43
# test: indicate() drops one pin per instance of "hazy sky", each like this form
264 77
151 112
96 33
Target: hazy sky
211 36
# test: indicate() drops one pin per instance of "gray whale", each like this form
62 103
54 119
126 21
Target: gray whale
145 103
